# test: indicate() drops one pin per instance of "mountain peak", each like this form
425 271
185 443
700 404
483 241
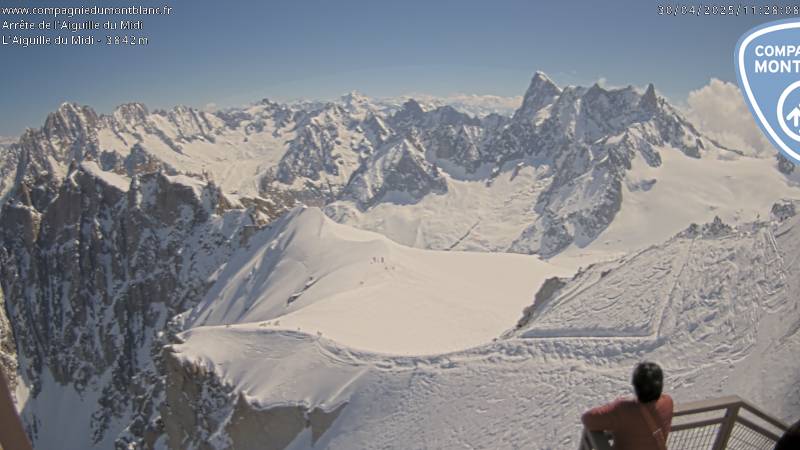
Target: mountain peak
410 112
354 97
69 119
649 101
131 113
412 106
67 107
70 111
354 101
541 92
541 76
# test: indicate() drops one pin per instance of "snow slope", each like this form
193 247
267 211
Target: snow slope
234 158
716 307
359 288
657 202
472 215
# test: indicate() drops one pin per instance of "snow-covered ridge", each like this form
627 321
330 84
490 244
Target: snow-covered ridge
365 291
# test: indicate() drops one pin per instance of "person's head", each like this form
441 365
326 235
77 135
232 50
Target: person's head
648 381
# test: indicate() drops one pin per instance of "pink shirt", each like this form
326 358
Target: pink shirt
624 419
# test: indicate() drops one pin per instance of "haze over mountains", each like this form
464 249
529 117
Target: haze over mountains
214 235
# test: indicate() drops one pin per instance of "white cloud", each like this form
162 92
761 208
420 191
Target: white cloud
719 111
603 83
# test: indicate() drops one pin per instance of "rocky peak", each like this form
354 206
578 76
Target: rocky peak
398 173
413 116
447 115
191 124
375 128
649 101
541 92
409 113
268 102
354 100
69 123
618 101
494 121
263 109
43 155
131 113
597 93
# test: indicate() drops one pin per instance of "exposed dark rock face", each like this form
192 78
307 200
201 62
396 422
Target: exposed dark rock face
8 347
783 210
589 137
400 168
546 292
93 263
541 92
784 165
9 159
714 229
199 409
94 277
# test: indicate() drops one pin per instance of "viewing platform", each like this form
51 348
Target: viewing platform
714 424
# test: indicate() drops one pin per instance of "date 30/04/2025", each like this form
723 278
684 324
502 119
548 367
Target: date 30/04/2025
678 9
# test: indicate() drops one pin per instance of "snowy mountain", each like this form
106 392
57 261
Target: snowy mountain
366 291
472 104
716 306
90 283
162 284
556 176
8 166
551 177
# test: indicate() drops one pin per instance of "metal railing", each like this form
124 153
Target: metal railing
715 424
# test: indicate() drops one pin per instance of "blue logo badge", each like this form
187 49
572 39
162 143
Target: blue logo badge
768 68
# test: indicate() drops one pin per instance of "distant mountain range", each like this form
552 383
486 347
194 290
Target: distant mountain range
578 149
118 232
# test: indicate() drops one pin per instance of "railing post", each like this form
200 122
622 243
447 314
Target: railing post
584 441
599 440
726 427
594 440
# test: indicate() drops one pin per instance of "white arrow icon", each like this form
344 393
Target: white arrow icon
794 116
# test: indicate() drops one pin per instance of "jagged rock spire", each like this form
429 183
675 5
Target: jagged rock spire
541 92
649 101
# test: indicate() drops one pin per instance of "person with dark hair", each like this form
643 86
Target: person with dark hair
640 423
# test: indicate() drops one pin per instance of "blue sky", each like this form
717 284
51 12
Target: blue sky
236 52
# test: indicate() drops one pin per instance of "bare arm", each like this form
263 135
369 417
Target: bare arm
12 434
